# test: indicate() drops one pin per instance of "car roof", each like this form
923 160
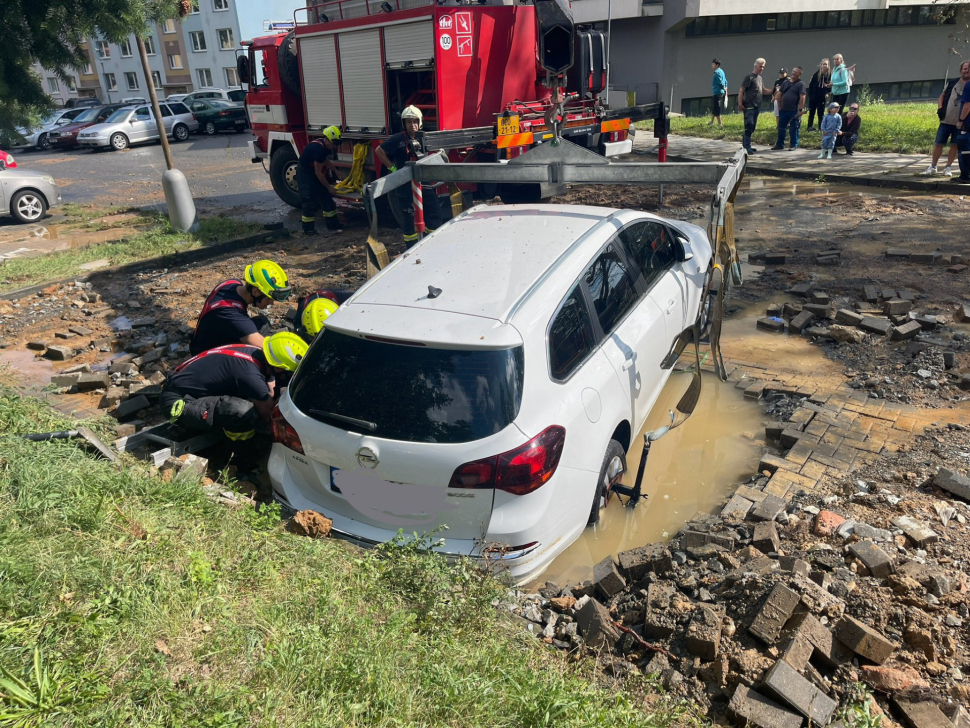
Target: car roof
485 261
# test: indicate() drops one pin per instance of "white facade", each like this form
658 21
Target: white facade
55 87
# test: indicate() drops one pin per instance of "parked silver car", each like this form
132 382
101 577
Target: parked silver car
136 125
37 138
25 194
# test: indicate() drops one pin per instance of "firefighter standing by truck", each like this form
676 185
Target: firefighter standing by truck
231 387
394 153
224 318
316 191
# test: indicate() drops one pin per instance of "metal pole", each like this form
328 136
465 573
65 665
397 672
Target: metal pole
153 97
609 46
418 207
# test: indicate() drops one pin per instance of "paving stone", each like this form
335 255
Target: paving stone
899 319
898 254
801 322
36 345
64 335
916 531
775 258
700 538
925 257
596 626
826 648
816 599
949 360
957 714
906 331
958 268
875 559
787 685
888 293
751 708
89 382
607 578
875 325
771 324
736 509
773 310
922 715
820 297
819 309
796 650
770 463
777 609
847 317
769 509
801 289
77 369
59 353
704 631
80 330
864 640
928 322
131 406
765 537
659 619
870 293
896 306
112 396
795 565
149 357
953 482
906 294
65 380
637 563
827 259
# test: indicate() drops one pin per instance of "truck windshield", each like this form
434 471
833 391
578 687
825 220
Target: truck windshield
410 393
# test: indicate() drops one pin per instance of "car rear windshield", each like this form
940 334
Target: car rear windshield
410 393
220 104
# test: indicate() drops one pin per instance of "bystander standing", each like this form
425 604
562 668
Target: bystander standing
818 89
963 141
791 108
948 111
750 96
719 90
841 81
776 92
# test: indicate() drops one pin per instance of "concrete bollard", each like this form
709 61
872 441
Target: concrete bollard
181 207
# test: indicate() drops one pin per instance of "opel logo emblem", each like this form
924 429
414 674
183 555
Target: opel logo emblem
367 458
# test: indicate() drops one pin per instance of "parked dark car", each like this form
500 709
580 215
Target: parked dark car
66 136
215 115
84 103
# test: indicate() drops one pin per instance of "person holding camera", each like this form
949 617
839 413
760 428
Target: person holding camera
948 110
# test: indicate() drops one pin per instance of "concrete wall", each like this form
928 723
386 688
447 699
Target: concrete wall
63 92
209 21
637 57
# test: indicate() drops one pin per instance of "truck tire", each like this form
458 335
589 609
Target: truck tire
289 63
521 194
282 173
614 465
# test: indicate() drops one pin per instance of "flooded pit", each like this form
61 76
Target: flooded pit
27 365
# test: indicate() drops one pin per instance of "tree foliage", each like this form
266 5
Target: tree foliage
52 32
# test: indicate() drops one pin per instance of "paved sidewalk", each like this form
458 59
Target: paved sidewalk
862 168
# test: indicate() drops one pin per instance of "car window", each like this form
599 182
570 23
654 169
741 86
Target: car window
409 393
141 113
165 110
178 108
119 115
220 104
570 336
652 248
104 115
611 287
237 95
199 106
89 115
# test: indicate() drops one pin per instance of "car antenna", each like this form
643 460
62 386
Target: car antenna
433 292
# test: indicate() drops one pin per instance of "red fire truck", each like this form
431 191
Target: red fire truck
483 74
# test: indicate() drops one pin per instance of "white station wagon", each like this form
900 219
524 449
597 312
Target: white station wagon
491 380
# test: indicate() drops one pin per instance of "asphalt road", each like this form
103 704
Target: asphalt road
220 174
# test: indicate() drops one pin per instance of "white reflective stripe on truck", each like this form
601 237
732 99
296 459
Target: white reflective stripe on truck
318 56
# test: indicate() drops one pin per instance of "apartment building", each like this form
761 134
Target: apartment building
662 49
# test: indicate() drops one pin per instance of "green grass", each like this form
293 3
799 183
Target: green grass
159 240
220 617
907 128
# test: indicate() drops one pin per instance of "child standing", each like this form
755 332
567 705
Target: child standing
831 126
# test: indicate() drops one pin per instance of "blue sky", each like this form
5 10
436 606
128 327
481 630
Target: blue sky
252 13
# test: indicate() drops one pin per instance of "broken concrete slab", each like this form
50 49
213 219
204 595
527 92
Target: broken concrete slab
930 258
847 317
80 330
751 708
59 353
922 715
875 559
596 626
801 322
864 640
736 509
906 331
607 578
916 531
875 325
90 382
826 647
801 289
769 509
660 618
953 482
777 609
704 631
131 407
783 682
896 306
637 563
65 380
765 537
821 310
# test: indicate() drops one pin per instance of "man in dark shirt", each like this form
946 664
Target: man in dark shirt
316 192
791 108
231 387
851 123
749 102
963 139
394 153
224 317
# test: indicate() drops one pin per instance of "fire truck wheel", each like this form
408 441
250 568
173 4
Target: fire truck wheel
520 194
289 64
282 173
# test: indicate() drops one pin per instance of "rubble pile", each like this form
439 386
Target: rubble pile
807 583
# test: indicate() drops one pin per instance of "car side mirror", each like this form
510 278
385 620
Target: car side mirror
684 251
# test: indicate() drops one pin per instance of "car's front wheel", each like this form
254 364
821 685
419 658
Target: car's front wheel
614 465
180 132
28 206
119 142
210 128
44 143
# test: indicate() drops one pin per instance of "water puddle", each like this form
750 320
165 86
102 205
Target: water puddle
27 365
691 469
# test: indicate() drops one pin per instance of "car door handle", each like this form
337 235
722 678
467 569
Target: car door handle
670 305
629 362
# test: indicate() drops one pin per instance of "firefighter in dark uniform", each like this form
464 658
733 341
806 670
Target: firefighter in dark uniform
231 387
224 318
314 309
394 153
316 191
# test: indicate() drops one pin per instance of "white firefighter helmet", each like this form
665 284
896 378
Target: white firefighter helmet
413 112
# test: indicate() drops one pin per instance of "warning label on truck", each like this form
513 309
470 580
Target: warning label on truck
464 21
464 45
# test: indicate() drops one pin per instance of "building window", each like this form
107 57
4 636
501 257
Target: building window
195 8
205 77
103 49
157 79
174 60
109 82
149 45
226 41
52 85
219 5
168 26
232 77
131 78
126 48
86 69
72 83
197 37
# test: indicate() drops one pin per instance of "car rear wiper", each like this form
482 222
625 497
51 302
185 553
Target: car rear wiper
370 426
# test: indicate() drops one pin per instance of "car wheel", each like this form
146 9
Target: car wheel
44 143
180 132
210 128
28 206
282 174
614 465
119 142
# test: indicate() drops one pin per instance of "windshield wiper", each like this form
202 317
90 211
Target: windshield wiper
370 426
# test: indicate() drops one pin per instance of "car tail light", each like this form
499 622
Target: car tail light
223 113
283 432
193 118
518 471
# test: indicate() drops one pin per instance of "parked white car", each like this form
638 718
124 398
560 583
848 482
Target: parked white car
491 379
25 195
233 95
38 138
136 125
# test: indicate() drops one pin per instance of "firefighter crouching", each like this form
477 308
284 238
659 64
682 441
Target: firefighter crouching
224 318
231 387
316 191
394 153
314 309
